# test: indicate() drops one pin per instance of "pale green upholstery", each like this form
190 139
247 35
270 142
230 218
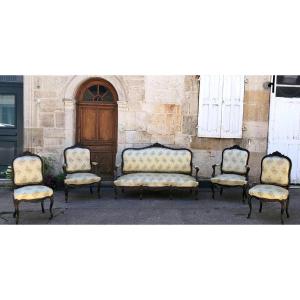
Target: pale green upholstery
27 170
78 159
81 178
234 160
275 170
32 192
229 179
156 180
157 159
269 192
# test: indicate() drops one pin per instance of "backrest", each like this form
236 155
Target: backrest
77 159
27 169
276 169
235 160
157 158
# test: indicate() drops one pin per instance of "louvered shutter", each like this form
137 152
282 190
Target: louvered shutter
232 106
210 101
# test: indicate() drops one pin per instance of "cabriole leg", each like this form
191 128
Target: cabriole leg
282 203
91 189
244 193
260 206
42 205
213 190
17 212
287 207
51 205
250 207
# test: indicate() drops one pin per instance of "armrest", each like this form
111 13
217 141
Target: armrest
197 170
95 166
64 167
247 172
117 167
214 169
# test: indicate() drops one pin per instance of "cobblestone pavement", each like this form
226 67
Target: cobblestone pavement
155 208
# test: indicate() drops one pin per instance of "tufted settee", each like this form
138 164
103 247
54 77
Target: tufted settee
156 167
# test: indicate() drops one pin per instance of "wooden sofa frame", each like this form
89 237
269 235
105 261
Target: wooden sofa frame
141 189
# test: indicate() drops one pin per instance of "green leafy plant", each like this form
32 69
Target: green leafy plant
52 180
8 173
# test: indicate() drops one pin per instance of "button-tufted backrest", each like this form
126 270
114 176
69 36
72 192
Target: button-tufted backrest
235 160
27 170
157 159
77 159
275 170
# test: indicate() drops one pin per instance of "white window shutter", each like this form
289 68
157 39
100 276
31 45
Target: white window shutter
232 107
210 106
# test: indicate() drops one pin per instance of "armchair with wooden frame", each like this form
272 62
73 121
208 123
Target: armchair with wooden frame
234 170
28 182
79 170
274 183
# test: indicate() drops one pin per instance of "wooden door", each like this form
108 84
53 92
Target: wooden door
284 120
96 122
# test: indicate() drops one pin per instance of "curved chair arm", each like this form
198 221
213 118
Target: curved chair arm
116 171
95 166
64 167
214 169
247 173
197 171
252 184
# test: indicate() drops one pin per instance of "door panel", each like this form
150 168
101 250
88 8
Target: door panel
106 124
97 123
284 121
88 126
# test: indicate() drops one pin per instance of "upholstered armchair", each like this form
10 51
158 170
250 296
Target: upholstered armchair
233 170
28 182
274 183
79 169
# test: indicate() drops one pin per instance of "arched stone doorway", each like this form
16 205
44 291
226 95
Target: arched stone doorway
97 122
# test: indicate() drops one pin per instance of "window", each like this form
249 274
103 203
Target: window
221 106
7 111
97 92
288 86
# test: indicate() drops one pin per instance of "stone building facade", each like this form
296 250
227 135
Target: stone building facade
151 109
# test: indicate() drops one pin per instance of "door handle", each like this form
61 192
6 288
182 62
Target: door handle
272 83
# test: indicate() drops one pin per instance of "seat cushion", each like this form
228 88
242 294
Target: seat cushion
229 179
156 180
32 192
269 192
81 178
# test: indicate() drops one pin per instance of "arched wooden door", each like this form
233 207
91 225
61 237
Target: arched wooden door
97 122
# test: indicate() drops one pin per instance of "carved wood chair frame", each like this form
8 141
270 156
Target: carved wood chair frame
16 213
246 174
94 166
283 203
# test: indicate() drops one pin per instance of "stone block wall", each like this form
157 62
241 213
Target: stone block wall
151 109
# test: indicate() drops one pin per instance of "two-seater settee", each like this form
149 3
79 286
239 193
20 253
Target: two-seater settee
156 167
